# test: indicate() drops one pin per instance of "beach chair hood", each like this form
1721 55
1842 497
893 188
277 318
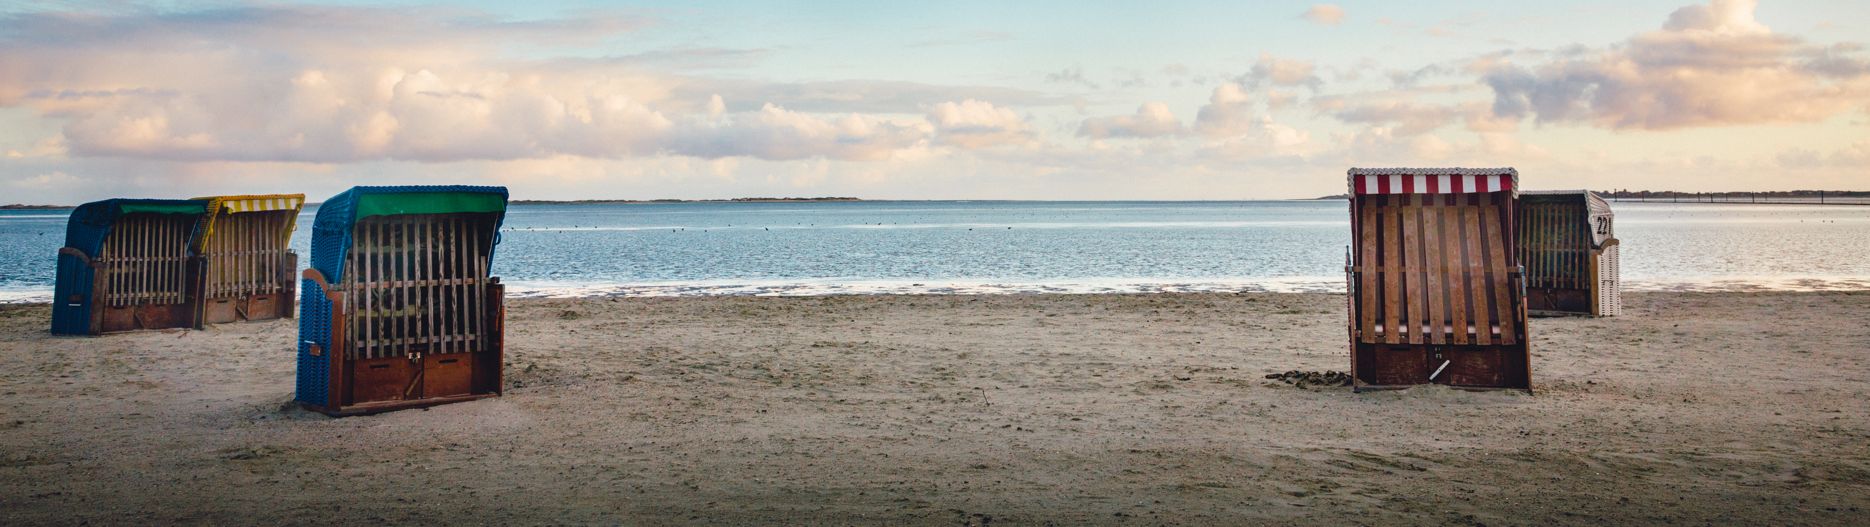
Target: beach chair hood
85 233
331 228
220 207
1365 181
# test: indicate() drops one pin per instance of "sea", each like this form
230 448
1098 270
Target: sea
1009 247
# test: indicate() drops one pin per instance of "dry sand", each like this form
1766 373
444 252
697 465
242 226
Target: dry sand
1118 409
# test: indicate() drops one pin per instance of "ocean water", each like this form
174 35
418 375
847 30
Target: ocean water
962 247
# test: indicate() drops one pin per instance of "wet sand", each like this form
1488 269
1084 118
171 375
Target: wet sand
1723 408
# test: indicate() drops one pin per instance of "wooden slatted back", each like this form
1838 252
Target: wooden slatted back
244 254
144 260
417 283
1555 243
1434 269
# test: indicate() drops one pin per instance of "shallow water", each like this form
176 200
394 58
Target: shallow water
961 247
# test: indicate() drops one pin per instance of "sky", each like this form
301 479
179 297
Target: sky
1045 100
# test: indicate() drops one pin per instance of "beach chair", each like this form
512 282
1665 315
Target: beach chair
1435 292
248 266
398 310
1569 247
126 265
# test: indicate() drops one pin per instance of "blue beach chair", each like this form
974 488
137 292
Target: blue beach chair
398 310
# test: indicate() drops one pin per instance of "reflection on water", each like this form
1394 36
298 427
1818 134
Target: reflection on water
1023 247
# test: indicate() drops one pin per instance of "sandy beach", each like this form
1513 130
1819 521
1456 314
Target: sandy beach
962 410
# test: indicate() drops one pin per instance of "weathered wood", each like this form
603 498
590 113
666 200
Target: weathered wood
1413 294
1500 280
1392 272
1452 269
1479 314
1435 264
1368 273
449 305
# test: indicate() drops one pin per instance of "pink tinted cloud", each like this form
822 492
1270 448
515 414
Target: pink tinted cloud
1325 14
1152 119
348 84
1709 65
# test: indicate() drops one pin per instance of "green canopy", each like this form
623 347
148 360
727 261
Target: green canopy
428 203
155 207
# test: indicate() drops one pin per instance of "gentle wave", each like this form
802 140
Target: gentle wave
25 295
829 287
987 226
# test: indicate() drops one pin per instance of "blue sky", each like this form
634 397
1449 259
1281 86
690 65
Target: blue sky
974 100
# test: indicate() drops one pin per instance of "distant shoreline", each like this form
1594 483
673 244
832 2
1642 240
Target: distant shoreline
19 206
654 201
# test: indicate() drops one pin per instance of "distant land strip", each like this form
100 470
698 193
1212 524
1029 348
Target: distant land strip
628 201
1780 197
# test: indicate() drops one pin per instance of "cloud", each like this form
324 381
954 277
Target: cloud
1229 112
1071 75
973 124
838 96
1325 14
1709 65
775 133
1152 119
1283 72
1381 146
1404 118
1233 130
1854 156
45 181
318 84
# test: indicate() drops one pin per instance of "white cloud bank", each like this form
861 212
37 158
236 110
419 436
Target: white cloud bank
1709 65
228 95
342 85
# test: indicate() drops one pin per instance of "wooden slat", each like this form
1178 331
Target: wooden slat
431 304
1392 271
140 238
179 258
1501 282
1413 294
1526 241
1476 276
145 261
1436 263
1561 246
443 261
480 275
399 270
1454 268
360 263
372 299
107 260
133 279
211 276
1580 247
458 262
157 256
1554 247
1367 277
1534 241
